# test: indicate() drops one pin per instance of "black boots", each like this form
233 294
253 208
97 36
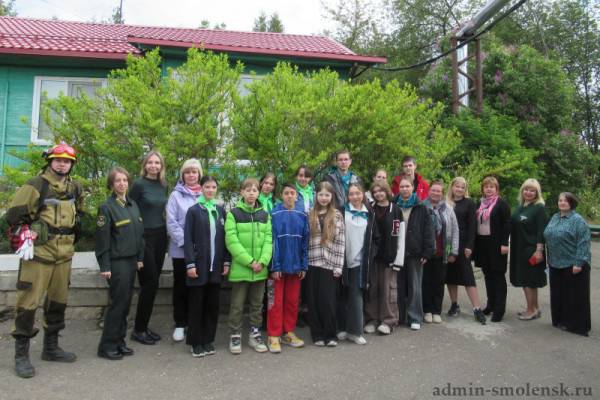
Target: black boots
52 352
23 366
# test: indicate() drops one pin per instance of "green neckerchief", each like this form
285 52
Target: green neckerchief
412 200
211 207
266 201
306 192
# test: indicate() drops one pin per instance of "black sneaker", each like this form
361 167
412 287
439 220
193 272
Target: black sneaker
479 316
209 349
454 310
198 351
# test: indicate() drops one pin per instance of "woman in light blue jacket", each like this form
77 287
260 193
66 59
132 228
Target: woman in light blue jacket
184 195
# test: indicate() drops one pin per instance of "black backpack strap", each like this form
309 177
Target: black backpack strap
43 196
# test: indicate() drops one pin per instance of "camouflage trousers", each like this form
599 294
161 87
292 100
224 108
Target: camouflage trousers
35 280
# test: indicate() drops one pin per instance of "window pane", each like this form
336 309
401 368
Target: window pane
49 90
87 88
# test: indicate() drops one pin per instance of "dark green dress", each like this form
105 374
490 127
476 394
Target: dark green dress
527 230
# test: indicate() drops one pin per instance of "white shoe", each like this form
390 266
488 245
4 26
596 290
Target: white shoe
320 343
178 334
428 318
342 335
357 339
369 328
332 343
437 319
415 326
384 329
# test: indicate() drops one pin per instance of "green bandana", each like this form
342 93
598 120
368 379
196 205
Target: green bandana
306 192
266 201
210 207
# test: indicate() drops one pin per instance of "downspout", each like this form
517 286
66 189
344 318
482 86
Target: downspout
4 122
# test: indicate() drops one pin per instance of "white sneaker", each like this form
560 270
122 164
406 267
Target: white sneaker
178 334
342 335
437 319
384 329
357 339
428 318
369 328
332 343
415 326
320 343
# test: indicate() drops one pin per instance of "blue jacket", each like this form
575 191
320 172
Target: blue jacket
300 203
290 240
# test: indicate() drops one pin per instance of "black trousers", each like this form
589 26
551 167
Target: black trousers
322 291
402 280
148 277
120 291
350 317
203 314
180 293
570 299
495 287
434 276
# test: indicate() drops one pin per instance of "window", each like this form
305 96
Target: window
246 79
49 87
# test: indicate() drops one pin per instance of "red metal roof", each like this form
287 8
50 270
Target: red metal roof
92 40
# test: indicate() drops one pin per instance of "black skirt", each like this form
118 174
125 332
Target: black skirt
460 272
570 299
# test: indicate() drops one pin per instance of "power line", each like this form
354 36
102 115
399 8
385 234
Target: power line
444 54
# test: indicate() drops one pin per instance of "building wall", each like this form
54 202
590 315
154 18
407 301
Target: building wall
16 103
17 75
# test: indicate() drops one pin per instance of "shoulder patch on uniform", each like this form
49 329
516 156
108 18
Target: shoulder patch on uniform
101 221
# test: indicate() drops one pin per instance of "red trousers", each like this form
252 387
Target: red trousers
283 298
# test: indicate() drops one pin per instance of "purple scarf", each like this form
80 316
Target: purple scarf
486 207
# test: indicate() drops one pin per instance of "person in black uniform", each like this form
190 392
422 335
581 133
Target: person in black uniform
120 253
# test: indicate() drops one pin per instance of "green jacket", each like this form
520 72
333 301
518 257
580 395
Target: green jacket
248 238
55 226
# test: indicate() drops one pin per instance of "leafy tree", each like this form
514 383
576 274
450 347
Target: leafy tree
182 114
117 15
290 117
205 24
264 23
8 8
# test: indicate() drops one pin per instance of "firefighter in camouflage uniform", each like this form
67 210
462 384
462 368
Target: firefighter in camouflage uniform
49 206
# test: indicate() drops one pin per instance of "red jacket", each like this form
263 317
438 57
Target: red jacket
422 188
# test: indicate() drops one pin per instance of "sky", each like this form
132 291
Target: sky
299 17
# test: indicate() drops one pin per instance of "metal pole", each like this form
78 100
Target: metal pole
455 100
478 77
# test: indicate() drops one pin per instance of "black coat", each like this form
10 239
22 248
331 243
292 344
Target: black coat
368 272
388 226
500 221
420 235
196 245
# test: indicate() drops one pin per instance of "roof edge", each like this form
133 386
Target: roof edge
253 50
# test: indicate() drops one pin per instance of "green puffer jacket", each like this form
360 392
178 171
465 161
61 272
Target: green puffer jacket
248 238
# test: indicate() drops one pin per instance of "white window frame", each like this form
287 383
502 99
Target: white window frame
37 97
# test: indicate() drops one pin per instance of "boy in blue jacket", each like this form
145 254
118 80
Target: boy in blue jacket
290 263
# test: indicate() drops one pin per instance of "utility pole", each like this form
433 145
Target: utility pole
464 83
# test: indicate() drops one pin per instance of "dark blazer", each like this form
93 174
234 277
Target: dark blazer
368 273
500 222
420 236
196 245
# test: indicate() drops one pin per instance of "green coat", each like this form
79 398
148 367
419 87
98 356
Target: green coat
527 230
248 238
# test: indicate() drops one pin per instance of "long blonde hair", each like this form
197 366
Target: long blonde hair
450 193
161 175
532 183
328 229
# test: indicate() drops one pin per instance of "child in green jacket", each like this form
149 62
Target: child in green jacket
248 238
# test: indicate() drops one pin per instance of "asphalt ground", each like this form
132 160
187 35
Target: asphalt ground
457 359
